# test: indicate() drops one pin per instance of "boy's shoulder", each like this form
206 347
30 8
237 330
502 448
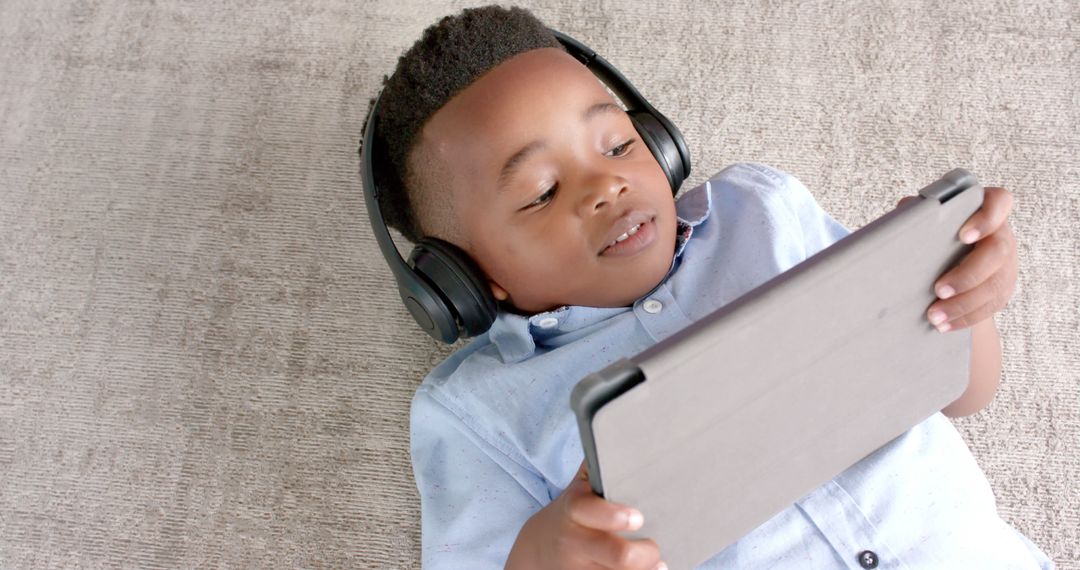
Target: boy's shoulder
516 360
749 193
516 406
758 172
758 179
746 188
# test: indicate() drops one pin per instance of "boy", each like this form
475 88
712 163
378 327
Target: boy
504 145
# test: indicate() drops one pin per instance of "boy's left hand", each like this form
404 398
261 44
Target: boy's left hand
983 282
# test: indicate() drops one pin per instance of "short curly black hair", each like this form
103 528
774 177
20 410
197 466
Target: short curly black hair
450 55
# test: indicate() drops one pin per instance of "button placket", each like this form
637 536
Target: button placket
847 530
659 314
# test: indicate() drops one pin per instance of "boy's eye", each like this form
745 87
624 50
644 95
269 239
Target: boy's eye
621 149
545 197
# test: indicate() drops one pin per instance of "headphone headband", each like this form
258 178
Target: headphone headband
371 195
630 96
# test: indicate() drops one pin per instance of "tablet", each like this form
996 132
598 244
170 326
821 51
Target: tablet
719 427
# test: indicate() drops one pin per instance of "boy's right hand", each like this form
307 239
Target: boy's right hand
577 530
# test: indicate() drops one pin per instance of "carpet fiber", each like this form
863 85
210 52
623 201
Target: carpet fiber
203 359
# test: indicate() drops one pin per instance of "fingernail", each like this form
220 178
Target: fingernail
661 566
945 292
944 328
970 236
634 519
937 316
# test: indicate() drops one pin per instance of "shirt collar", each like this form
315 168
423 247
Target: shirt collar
516 336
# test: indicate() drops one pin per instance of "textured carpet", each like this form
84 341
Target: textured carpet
203 360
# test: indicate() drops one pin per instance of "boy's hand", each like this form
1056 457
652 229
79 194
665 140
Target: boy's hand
577 530
984 281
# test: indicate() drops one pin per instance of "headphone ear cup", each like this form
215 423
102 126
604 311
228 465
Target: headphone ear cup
428 308
673 158
459 281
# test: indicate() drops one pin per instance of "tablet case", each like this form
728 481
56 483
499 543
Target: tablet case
719 427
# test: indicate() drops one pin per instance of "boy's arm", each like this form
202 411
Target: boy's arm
985 371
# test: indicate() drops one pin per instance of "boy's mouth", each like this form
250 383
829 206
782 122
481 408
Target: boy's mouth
629 234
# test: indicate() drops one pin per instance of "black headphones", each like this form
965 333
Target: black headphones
443 289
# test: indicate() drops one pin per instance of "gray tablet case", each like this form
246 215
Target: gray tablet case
719 427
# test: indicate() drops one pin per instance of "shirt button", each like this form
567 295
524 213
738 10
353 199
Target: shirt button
548 322
868 559
652 306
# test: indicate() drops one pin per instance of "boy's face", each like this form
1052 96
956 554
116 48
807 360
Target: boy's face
535 158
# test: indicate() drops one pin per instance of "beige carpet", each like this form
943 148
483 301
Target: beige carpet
203 361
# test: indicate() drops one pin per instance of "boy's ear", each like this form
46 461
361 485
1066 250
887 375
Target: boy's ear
499 293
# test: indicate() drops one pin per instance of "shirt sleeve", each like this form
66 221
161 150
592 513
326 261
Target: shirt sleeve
819 229
474 498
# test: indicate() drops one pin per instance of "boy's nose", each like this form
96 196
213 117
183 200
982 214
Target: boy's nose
603 190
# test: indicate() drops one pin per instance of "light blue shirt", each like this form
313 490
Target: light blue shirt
493 438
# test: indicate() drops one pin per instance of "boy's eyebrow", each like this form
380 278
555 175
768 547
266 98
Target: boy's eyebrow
519 157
